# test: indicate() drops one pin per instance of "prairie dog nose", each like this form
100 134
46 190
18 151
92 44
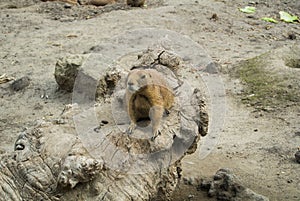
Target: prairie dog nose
132 87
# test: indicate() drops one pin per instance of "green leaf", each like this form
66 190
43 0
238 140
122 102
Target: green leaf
268 19
248 9
284 16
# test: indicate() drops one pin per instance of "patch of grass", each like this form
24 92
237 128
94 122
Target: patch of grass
263 88
293 62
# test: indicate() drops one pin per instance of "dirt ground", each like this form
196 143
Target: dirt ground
258 145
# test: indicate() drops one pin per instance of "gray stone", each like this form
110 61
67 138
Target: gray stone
20 83
225 186
66 70
297 156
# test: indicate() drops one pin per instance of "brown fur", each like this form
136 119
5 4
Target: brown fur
136 3
147 96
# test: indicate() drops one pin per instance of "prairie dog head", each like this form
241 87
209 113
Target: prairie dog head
137 79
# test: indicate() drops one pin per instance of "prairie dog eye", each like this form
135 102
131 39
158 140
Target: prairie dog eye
143 76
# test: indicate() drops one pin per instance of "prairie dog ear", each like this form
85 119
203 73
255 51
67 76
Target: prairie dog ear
126 80
129 74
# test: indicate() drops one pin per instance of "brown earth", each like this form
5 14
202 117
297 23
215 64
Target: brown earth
257 143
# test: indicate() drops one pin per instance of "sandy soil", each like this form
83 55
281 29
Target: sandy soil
259 146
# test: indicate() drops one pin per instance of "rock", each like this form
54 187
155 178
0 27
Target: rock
66 1
96 2
225 186
66 70
212 68
100 2
85 76
291 36
136 3
214 17
170 60
297 156
20 83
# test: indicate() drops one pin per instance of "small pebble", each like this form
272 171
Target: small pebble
297 156
67 6
292 36
20 83
297 133
214 17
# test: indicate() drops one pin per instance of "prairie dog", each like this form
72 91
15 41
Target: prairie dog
147 97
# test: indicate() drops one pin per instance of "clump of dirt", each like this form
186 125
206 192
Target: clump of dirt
297 156
226 186
20 83
66 70
293 63
292 59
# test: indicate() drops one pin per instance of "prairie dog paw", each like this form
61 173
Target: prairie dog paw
155 134
131 128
